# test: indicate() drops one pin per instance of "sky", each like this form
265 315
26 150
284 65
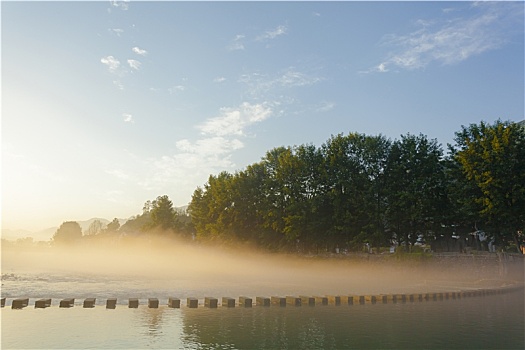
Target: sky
108 104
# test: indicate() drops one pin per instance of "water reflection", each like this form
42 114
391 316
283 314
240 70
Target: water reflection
490 322
476 323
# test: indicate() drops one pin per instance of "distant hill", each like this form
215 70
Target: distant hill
47 234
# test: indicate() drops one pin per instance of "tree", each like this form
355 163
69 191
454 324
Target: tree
95 228
492 157
113 226
68 233
414 188
162 213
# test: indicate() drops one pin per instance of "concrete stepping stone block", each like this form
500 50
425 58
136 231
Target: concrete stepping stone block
228 302
153 303
174 303
20 303
89 302
245 302
192 303
111 303
42 303
211 302
133 303
68 302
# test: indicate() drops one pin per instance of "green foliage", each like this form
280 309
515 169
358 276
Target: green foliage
415 188
357 189
492 159
162 213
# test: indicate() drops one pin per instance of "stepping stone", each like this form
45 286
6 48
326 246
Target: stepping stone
111 303
69 302
20 303
42 303
174 302
89 302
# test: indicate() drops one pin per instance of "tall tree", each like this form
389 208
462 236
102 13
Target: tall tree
414 184
162 213
492 157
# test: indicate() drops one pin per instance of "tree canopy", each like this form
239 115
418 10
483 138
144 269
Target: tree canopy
358 189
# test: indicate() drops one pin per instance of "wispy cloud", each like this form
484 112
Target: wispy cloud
258 85
128 118
219 80
237 43
177 88
234 121
118 84
123 5
447 42
325 106
134 64
111 62
199 158
139 51
292 77
210 153
116 31
272 34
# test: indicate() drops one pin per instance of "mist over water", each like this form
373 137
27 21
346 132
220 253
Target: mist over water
154 266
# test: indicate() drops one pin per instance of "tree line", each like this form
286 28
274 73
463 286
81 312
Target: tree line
158 216
357 189
354 190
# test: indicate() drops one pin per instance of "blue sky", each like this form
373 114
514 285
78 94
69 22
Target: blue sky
108 104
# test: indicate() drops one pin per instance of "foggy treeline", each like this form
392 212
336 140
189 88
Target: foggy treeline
353 191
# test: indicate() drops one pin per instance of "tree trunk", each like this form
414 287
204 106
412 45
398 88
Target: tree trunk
518 245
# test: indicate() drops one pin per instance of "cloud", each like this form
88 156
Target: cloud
128 118
134 64
191 165
219 80
193 161
236 43
449 41
272 34
325 106
116 31
234 121
111 62
139 51
258 85
118 84
175 89
212 146
123 5
292 78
